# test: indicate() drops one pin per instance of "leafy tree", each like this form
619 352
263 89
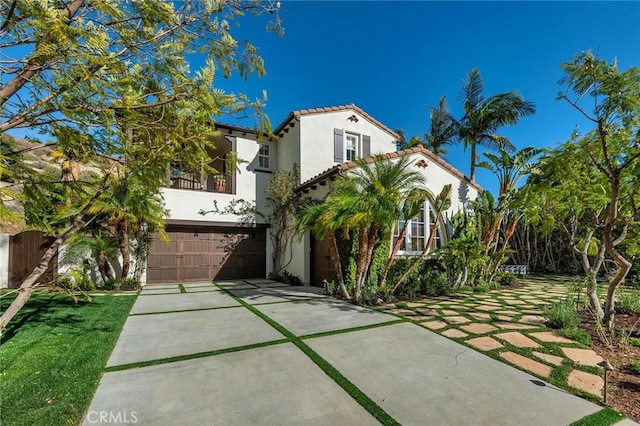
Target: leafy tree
111 85
284 203
482 117
589 185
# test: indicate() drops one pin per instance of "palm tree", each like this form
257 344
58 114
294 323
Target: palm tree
367 204
102 247
315 217
482 117
127 208
509 169
443 128
373 197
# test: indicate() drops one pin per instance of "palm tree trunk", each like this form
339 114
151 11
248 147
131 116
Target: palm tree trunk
363 248
425 250
337 265
472 173
392 256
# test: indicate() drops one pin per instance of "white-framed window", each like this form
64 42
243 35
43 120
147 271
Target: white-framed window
351 143
417 232
264 156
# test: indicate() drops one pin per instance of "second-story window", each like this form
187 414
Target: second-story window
351 146
264 156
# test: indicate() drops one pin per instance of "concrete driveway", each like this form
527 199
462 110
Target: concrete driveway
255 352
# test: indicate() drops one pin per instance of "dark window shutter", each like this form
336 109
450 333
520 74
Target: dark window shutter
338 147
366 146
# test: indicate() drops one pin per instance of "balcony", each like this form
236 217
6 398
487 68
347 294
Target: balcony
221 183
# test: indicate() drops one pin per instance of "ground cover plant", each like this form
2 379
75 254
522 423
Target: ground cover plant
54 353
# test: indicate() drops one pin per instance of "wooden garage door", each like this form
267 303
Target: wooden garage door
203 254
321 266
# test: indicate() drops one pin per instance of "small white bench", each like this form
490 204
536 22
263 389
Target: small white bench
515 269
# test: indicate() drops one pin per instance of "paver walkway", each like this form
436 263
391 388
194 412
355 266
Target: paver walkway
508 324
254 352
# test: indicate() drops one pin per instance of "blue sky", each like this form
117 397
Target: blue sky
394 58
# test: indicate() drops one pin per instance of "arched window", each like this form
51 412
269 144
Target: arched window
417 232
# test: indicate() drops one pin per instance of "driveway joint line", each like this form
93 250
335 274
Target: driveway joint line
215 308
352 390
196 355
352 329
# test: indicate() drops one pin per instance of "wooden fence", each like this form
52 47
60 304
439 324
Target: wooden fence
25 251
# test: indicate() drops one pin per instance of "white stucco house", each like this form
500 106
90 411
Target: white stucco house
323 142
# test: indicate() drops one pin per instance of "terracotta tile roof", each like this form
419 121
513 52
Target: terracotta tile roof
352 107
419 149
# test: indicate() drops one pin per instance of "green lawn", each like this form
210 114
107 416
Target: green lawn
52 355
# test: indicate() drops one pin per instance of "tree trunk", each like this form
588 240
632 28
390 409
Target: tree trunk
392 256
337 265
363 248
30 283
472 173
425 250
123 245
624 266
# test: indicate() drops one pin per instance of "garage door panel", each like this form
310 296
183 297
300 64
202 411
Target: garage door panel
200 254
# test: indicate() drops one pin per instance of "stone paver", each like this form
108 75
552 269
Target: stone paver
485 343
428 312
527 364
517 339
434 325
457 320
532 319
510 313
582 356
586 382
551 359
415 304
480 316
449 312
551 337
487 308
403 312
504 318
478 328
454 333
512 326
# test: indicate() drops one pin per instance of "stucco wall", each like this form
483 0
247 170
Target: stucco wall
289 148
316 139
436 177
250 185
4 260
